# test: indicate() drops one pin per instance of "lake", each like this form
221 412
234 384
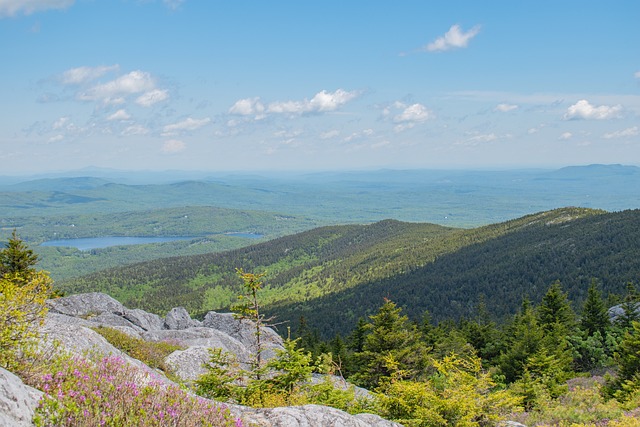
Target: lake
88 243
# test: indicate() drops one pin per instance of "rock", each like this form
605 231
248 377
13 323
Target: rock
142 319
178 318
244 331
18 401
86 306
307 416
188 364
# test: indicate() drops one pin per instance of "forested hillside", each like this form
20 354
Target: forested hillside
334 275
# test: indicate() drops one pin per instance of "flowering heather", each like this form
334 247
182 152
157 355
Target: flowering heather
114 393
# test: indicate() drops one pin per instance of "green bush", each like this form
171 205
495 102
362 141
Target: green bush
151 353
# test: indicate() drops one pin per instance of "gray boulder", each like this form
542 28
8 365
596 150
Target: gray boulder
18 401
308 416
178 319
188 364
142 319
86 306
244 331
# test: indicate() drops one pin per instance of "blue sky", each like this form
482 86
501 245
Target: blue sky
301 85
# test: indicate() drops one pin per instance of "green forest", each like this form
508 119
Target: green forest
334 275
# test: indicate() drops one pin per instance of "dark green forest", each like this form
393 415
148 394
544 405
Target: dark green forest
332 276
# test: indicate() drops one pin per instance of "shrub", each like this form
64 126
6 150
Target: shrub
460 394
150 353
110 392
22 310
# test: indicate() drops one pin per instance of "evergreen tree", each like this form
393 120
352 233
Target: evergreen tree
594 312
524 339
554 312
390 337
16 257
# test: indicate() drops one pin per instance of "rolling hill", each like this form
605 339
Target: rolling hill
333 275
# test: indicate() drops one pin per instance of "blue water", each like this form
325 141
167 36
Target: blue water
88 243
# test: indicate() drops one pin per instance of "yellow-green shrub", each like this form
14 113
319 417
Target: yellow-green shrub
22 310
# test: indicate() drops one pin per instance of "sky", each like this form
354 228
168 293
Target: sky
317 85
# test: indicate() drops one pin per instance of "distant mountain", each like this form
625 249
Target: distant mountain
59 184
595 171
333 275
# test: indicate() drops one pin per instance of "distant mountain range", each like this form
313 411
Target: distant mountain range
456 198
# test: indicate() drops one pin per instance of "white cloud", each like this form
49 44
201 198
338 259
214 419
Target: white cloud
321 102
248 107
482 138
60 123
637 75
113 91
119 115
454 38
415 113
27 7
325 101
565 136
135 130
187 124
80 75
584 110
632 131
173 146
505 108
56 138
151 97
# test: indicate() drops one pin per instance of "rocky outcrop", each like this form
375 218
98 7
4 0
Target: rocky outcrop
70 322
308 416
17 401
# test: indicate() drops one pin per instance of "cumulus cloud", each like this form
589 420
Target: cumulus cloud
416 113
584 110
173 146
321 102
27 7
115 90
632 131
406 116
248 107
119 115
81 75
151 97
60 123
187 124
452 39
505 108
565 136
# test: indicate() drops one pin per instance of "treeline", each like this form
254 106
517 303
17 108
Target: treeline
532 354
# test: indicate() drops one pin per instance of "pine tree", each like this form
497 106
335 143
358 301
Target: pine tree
16 257
390 337
594 312
554 312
